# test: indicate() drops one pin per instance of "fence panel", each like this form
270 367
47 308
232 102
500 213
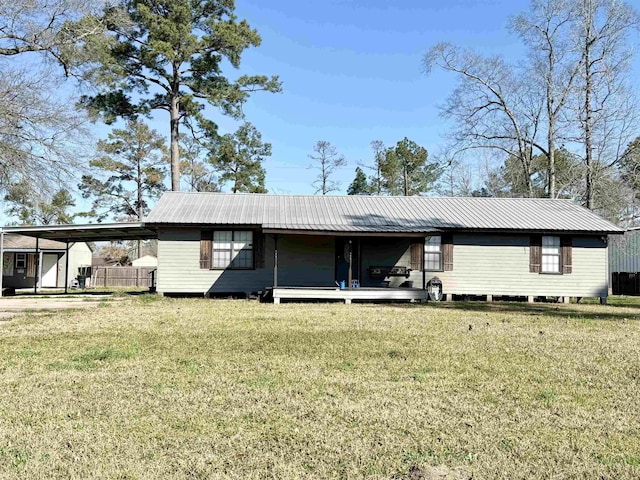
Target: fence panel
122 277
625 283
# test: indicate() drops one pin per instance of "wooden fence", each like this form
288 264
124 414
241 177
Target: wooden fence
625 283
122 277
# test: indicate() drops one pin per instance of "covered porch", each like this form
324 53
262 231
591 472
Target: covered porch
348 266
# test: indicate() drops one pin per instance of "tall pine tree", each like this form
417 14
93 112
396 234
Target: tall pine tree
170 55
239 158
131 173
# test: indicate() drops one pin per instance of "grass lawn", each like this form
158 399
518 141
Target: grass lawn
148 387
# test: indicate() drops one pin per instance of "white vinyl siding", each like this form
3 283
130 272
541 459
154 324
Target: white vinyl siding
498 265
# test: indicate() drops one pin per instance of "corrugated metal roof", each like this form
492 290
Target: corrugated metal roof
375 213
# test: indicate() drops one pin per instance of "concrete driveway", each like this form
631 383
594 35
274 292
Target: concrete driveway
11 306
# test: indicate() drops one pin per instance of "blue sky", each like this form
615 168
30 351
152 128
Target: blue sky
351 73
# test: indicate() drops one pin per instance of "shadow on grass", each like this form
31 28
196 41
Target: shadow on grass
592 312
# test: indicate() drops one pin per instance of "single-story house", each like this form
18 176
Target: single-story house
21 259
298 247
145 261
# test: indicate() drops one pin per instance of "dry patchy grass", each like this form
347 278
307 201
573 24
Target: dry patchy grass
167 388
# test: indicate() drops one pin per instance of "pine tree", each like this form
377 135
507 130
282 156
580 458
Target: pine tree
131 173
239 160
26 206
405 170
359 186
170 56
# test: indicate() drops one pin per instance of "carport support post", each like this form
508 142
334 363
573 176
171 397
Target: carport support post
66 269
275 260
37 273
350 276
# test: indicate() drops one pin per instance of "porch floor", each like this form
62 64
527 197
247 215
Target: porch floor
362 294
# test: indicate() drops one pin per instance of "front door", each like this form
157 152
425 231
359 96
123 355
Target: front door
342 259
49 270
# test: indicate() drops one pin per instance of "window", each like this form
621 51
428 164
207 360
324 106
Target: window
550 254
232 249
21 261
432 253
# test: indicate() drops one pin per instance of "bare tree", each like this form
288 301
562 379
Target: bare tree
54 27
197 173
325 159
602 30
554 62
42 136
492 106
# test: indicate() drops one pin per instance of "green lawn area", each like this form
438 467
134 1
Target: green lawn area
148 387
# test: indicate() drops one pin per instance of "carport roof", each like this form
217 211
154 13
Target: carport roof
92 232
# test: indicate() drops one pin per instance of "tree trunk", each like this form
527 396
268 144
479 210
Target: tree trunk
551 152
175 149
139 197
406 182
587 112
551 131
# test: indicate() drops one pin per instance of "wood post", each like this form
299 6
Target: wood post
275 263
350 275
66 269
489 298
566 299
449 297
530 299
347 301
37 276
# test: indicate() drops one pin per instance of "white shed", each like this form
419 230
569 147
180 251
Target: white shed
146 261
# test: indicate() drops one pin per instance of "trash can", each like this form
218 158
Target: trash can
82 282
434 289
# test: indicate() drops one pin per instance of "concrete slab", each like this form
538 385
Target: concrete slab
11 306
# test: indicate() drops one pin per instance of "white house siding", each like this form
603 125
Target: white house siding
302 261
499 265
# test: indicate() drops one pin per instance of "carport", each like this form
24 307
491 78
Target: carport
100 232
